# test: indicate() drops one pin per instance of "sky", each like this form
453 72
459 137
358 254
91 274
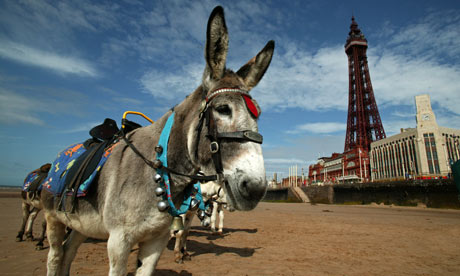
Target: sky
65 66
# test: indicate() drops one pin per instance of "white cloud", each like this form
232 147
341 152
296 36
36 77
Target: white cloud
47 60
171 86
398 79
311 81
284 161
19 109
31 105
85 127
129 101
393 127
320 128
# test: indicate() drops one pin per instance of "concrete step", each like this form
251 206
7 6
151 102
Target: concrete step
301 194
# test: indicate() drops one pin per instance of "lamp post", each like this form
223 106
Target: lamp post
360 169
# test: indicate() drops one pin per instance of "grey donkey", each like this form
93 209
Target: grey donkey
123 206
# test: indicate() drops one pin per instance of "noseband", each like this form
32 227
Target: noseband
215 137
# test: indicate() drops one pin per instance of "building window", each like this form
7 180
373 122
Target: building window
428 153
431 153
434 153
414 166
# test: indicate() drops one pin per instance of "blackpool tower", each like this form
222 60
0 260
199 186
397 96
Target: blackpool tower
363 124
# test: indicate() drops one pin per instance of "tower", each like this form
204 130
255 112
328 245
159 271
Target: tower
363 124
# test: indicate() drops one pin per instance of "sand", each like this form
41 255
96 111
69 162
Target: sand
278 239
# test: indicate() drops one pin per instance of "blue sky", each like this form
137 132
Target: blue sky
67 65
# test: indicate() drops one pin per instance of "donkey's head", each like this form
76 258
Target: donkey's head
228 126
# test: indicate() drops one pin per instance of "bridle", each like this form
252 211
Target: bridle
215 137
161 166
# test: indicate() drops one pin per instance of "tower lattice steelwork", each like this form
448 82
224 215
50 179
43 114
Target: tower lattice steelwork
363 125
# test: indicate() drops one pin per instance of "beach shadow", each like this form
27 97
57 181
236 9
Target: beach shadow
94 241
166 272
226 230
199 248
200 231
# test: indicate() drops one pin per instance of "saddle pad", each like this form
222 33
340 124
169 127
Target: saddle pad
55 183
31 185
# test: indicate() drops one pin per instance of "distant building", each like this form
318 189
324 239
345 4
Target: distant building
423 152
350 166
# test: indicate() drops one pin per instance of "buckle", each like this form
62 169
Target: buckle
214 147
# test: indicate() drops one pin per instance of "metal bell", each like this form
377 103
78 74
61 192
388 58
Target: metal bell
159 149
157 164
201 214
163 205
177 224
194 203
158 178
159 191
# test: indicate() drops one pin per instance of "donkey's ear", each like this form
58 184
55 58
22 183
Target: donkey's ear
253 71
216 47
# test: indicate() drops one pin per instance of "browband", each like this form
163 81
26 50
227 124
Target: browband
225 90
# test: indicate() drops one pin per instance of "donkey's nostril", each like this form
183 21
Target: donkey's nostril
244 189
252 190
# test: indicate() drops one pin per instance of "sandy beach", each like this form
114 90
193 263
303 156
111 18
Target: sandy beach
277 239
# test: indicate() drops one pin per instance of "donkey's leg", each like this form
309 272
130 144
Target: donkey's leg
221 219
118 248
150 252
183 241
55 232
214 216
177 246
30 224
71 244
39 245
180 250
25 217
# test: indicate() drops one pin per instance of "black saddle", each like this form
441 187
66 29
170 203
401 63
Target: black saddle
105 131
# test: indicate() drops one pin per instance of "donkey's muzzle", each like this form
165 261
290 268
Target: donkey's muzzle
252 189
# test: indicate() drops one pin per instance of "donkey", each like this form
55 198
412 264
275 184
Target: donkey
213 193
218 200
31 205
214 130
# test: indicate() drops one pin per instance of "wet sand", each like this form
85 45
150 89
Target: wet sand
278 239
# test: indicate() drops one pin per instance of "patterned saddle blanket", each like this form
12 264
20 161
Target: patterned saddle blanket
67 168
35 179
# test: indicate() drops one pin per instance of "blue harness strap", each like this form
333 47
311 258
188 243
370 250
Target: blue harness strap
199 196
163 157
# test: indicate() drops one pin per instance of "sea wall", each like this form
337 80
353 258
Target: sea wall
283 194
436 193
439 193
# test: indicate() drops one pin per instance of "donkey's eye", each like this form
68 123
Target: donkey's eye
224 110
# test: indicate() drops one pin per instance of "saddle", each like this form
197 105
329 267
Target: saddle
33 182
92 155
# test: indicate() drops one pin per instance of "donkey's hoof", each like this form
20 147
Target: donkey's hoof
39 247
187 257
19 239
179 260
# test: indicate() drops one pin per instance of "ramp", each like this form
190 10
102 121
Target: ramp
301 194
